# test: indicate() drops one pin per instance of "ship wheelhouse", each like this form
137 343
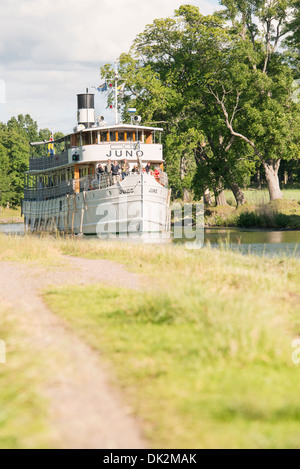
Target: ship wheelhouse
72 165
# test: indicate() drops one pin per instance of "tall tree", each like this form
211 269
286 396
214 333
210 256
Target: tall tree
255 88
4 176
164 84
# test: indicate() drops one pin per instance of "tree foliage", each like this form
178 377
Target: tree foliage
222 88
15 136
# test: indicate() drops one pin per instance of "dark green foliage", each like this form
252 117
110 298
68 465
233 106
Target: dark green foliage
179 68
4 177
14 155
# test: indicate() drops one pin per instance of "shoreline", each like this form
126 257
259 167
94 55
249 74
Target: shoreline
11 221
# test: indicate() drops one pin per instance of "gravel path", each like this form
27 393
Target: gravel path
85 411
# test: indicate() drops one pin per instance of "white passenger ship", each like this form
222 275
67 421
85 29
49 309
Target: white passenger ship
64 192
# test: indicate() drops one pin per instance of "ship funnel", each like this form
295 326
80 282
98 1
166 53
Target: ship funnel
86 109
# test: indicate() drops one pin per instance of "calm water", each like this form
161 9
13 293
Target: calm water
12 228
259 242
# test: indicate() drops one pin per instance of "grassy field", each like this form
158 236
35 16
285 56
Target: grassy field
31 249
254 196
22 409
279 214
203 352
10 215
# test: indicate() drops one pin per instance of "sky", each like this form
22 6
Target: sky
51 50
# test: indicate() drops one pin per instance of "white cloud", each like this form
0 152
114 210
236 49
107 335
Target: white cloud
52 50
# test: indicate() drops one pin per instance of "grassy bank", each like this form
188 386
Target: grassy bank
203 352
280 214
22 409
258 212
261 197
31 249
10 215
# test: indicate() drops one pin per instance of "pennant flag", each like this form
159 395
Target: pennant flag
50 151
121 88
102 87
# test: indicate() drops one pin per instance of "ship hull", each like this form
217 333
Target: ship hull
136 205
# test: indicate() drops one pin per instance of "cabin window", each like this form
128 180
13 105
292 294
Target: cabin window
83 172
86 138
121 137
129 136
94 137
138 137
75 140
103 136
112 136
70 174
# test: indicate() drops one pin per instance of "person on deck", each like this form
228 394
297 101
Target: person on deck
148 168
156 173
108 170
100 170
115 168
125 168
108 167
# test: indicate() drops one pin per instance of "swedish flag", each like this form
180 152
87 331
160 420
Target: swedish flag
50 151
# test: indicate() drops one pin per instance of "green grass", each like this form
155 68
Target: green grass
8 215
279 214
31 249
22 410
203 352
259 197
258 212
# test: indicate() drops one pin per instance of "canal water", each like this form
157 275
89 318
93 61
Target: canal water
12 228
258 242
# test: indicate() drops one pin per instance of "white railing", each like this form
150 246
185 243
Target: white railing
87 183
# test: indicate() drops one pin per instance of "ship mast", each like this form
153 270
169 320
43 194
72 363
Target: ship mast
116 93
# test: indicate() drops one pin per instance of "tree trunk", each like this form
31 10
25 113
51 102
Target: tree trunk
187 196
220 198
207 197
238 194
271 171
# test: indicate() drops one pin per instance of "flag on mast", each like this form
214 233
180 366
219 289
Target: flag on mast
102 87
50 151
121 88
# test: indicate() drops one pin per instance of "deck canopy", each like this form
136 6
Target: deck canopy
107 133
99 144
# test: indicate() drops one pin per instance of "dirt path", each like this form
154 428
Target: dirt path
85 411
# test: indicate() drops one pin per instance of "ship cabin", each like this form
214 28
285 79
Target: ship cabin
69 165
